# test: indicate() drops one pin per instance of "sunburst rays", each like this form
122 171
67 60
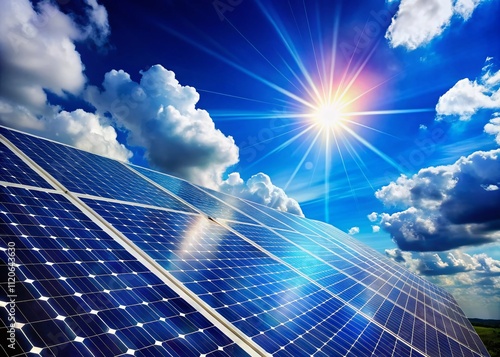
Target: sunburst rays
323 99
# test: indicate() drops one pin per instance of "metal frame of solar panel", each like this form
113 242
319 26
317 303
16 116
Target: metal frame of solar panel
116 259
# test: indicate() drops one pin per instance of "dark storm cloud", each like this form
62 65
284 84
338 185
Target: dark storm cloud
446 206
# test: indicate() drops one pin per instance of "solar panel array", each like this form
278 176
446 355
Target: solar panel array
115 259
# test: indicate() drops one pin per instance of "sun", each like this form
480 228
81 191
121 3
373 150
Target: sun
327 115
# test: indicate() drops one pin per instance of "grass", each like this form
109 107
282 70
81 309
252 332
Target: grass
491 339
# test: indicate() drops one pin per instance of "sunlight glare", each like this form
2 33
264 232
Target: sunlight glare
327 115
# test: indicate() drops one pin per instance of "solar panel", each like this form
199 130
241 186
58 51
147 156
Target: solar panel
361 286
80 293
114 259
248 287
81 172
248 208
286 218
206 203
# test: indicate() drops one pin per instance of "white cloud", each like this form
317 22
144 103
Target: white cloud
233 181
353 230
423 190
465 8
84 131
160 115
259 188
493 127
445 207
376 229
373 216
98 27
490 187
449 263
418 22
488 264
467 97
464 99
38 54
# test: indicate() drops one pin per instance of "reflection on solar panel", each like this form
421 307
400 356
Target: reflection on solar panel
195 196
114 259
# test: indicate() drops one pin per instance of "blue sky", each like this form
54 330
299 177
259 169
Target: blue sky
382 118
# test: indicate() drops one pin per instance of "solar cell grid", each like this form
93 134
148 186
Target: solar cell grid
195 196
374 304
260 296
248 208
301 257
445 301
281 217
86 173
375 259
307 224
14 170
93 297
368 302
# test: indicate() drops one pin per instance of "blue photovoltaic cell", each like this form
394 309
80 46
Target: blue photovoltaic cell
80 293
195 196
262 297
13 169
83 172
365 288
246 207
347 243
281 217
304 225
434 298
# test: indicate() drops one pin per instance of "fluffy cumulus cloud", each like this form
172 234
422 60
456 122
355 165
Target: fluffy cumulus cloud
98 27
375 229
160 115
259 188
417 22
493 127
353 230
85 131
373 216
467 96
38 55
445 207
465 8
449 263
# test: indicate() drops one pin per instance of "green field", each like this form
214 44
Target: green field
491 339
